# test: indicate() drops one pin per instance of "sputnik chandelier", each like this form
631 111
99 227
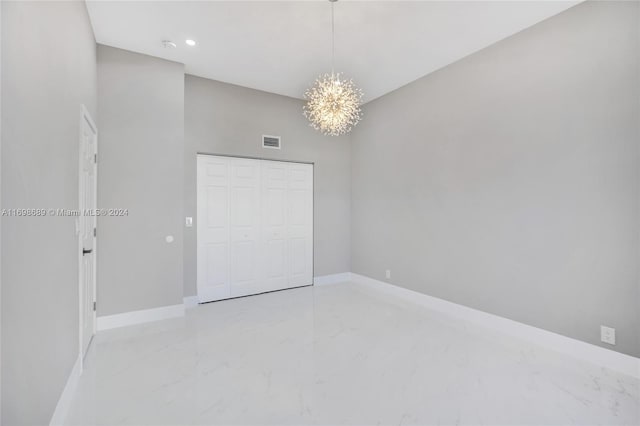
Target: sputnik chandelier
333 102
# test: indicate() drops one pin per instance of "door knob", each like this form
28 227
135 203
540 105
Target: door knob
85 251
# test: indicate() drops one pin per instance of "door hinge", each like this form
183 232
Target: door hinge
95 158
95 232
94 306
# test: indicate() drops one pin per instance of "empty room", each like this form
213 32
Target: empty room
319 212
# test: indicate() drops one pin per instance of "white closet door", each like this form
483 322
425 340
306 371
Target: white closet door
274 263
300 224
213 228
255 226
244 226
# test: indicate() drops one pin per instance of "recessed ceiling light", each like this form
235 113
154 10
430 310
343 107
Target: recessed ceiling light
168 44
190 42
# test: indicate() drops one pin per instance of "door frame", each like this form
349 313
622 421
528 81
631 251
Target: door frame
313 205
85 116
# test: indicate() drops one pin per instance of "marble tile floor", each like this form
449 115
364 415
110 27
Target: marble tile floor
340 354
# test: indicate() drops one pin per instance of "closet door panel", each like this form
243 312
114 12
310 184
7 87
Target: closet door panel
274 225
300 224
213 228
244 226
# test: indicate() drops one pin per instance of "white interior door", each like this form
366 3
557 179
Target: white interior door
255 226
213 228
87 228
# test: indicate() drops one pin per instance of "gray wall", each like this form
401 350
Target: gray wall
140 168
48 71
1 205
509 182
225 119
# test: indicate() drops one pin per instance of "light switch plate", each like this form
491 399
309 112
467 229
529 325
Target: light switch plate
388 273
188 221
608 335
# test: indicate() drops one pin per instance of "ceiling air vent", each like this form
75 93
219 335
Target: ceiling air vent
271 142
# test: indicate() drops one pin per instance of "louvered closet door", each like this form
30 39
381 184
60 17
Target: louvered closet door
255 226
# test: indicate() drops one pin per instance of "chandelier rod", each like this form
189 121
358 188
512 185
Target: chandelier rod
333 39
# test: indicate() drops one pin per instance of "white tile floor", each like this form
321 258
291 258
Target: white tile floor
338 354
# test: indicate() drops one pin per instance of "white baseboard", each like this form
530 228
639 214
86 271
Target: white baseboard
613 360
191 301
332 279
139 317
66 397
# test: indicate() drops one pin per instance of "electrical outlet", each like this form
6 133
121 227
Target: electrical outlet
608 335
388 273
188 222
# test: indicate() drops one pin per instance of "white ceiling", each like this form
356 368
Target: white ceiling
282 46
